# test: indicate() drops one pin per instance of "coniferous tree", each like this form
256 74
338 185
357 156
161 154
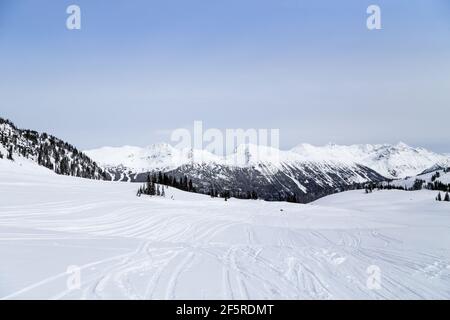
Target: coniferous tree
447 197
435 176
226 194
439 198
10 153
148 186
418 184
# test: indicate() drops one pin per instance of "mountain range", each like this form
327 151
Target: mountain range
305 172
391 161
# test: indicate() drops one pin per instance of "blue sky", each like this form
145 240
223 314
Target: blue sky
138 69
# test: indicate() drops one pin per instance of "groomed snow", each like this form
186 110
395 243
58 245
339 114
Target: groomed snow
195 247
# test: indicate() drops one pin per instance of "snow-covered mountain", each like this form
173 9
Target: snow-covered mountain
272 174
160 156
434 178
306 171
391 161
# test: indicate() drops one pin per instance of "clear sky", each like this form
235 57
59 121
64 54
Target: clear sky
138 69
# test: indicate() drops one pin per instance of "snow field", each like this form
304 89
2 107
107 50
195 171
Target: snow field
195 247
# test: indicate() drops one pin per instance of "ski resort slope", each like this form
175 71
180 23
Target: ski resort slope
195 247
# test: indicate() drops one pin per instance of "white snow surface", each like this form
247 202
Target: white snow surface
195 247
444 177
391 161
164 156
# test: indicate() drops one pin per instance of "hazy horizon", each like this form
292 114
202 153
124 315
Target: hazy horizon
281 148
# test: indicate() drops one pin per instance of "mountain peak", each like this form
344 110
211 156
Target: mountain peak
402 145
392 161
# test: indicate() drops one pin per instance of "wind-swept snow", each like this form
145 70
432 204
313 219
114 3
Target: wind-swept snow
193 246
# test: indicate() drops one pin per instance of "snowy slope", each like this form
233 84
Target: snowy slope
391 161
197 247
164 156
271 173
155 157
46 150
442 176
21 167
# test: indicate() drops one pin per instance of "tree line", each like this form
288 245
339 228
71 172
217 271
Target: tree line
48 151
157 179
163 179
418 184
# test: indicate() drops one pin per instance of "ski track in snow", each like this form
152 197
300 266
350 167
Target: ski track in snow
196 247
